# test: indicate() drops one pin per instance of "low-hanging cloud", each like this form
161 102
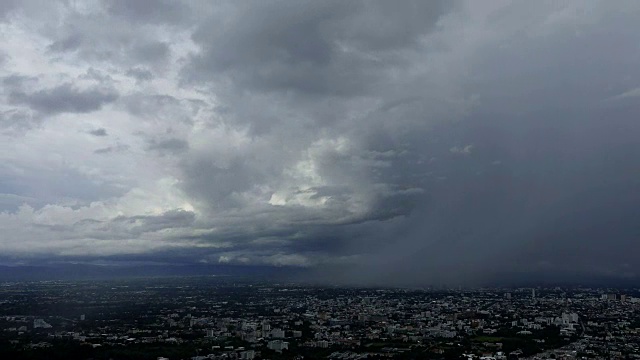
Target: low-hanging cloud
64 98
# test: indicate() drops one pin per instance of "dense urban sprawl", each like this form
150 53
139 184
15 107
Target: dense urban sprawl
227 318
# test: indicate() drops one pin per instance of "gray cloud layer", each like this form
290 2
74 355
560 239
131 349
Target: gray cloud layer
64 98
372 142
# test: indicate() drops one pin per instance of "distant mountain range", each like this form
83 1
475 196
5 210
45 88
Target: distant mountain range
103 272
88 272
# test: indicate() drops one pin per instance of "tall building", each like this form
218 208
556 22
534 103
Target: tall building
40 324
574 317
533 294
277 333
248 355
278 345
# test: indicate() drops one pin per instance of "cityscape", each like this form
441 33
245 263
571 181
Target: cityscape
319 179
201 318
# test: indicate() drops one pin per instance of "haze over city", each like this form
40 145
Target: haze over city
356 142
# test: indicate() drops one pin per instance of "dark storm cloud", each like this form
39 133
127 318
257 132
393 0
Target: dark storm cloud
313 67
501 188
560 202
342 50
402 143
331 49
64 98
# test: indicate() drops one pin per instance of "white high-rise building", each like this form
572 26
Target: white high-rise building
248 355
277 333
278 345
40 324
574 317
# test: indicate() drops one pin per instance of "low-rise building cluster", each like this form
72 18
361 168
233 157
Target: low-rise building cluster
245 320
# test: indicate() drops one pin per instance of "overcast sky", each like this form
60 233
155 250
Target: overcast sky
365 141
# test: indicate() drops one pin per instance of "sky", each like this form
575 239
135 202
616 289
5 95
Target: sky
366 142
